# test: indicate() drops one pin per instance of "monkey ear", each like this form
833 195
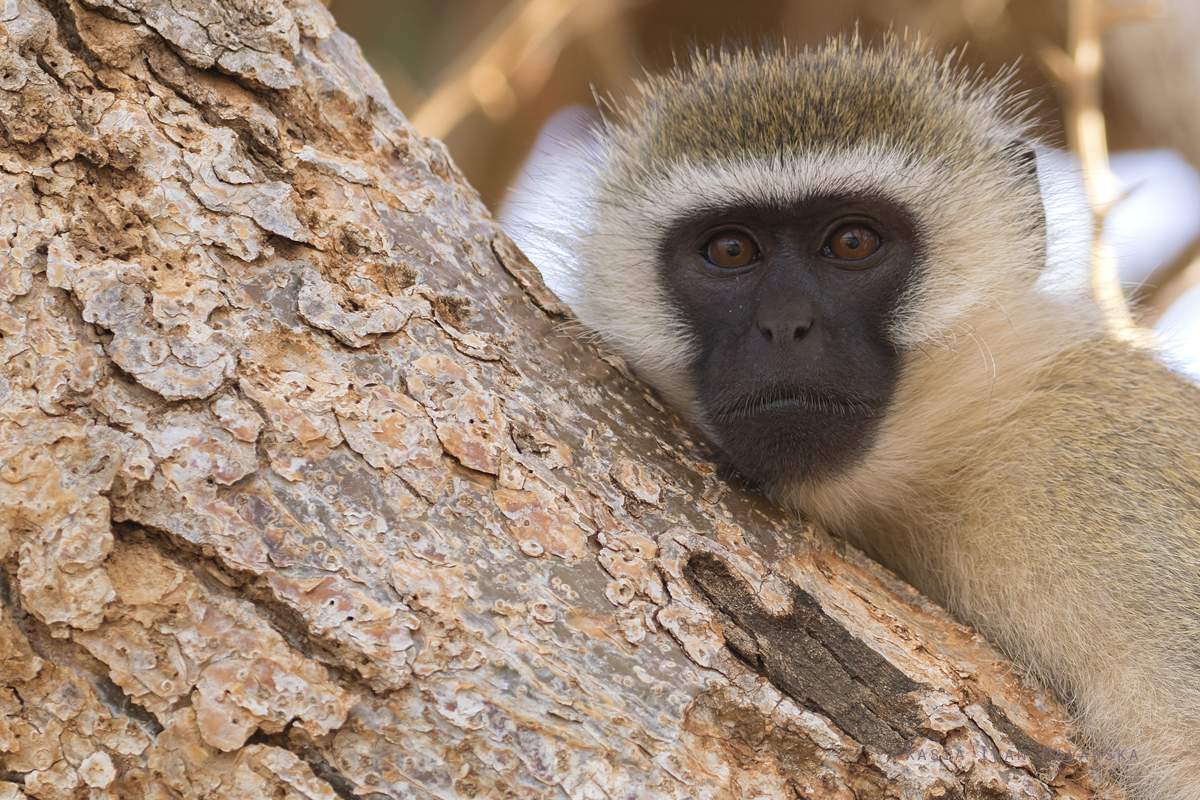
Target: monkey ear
1023 155
1024 158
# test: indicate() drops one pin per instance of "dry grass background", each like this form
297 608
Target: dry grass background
483 75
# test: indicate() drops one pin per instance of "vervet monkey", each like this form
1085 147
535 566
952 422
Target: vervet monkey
829 260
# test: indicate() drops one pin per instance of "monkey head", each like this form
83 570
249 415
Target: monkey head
769 237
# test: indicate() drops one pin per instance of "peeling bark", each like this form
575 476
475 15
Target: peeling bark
305 494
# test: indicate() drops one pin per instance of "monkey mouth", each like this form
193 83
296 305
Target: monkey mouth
790 400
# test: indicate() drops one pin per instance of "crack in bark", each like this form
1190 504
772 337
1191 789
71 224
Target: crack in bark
311 755
854 686
813 659
218 578
37 634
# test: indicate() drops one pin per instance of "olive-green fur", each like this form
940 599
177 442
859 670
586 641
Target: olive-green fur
837 96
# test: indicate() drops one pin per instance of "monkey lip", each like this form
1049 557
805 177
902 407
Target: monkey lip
789 400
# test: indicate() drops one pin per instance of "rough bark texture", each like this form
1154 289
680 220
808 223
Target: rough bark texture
304 493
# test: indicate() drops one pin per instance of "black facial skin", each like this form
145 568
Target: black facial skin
794 369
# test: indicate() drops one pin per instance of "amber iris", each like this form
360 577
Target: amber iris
852 243
731 249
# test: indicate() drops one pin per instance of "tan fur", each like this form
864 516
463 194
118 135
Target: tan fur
1036 474
1047 493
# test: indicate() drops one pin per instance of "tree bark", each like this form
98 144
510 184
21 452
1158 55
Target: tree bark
305 493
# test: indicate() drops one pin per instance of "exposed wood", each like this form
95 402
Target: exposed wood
303 494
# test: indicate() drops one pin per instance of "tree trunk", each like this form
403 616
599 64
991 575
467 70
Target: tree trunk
305 493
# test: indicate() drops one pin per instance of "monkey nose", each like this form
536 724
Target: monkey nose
783 332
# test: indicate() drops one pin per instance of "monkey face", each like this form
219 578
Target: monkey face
774 239
789 310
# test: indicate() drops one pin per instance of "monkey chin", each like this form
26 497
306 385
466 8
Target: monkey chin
795 439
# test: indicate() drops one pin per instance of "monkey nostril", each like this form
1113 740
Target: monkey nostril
798 332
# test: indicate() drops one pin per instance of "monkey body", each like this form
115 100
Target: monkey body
1055 508
829 260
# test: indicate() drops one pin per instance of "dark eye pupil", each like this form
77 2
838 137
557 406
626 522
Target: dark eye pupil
852 243
731 249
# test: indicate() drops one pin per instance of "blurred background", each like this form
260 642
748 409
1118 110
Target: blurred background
485 76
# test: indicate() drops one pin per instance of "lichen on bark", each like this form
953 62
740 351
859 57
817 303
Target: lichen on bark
305 493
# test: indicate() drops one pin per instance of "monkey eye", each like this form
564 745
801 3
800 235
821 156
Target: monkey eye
731 249
851 242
